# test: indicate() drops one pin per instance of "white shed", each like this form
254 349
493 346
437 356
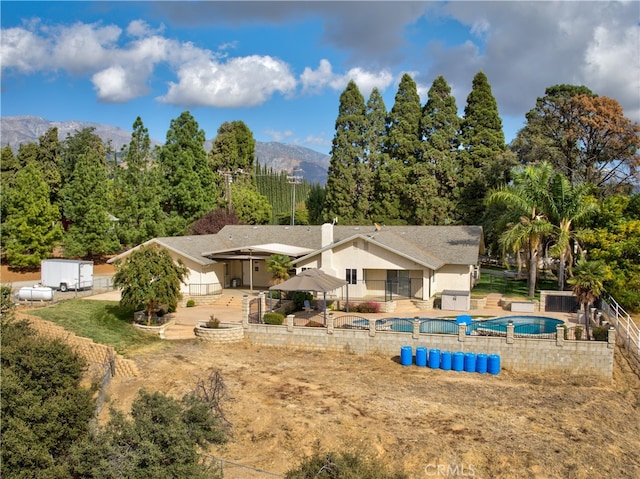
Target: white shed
453 300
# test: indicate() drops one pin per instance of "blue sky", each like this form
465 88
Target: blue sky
280 66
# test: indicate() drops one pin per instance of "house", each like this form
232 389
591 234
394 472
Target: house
415 262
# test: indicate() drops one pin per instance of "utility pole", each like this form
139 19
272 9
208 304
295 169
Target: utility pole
294 180
228 179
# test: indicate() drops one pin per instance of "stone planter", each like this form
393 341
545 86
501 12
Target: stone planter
157 330
226 333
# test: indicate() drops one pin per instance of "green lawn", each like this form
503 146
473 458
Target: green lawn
499 283
103 321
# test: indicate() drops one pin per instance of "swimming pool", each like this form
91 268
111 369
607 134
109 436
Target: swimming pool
522 325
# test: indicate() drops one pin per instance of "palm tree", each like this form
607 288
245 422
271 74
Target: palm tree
524 217
569 206
588 284
279 265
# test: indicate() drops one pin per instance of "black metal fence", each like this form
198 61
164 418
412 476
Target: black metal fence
255 311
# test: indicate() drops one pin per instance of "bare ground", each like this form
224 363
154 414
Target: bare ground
285 404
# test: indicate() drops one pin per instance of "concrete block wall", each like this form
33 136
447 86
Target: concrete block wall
517 354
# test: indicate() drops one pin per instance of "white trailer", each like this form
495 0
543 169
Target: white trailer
66 274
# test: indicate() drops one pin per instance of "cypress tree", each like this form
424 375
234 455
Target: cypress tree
402 147
482 141
343 196
434 176
403 134
375 138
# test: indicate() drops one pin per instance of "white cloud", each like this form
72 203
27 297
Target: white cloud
279 135
314 81
140 28
244 81
609 54
82 47
111 84
525 47
23 50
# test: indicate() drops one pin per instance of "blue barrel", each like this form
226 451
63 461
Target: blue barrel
481 363
458 361
434 358
493 364
406 355
470 362
421 357
445 360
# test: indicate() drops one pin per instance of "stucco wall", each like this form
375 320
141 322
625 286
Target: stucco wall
198 274
456 277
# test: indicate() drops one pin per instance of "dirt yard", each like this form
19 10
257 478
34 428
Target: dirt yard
285 404
432 423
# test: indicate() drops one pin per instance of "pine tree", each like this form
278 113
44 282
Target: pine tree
85 199
375 156
137 197
343 196
433 182
31 228
189 181
49 161
482 141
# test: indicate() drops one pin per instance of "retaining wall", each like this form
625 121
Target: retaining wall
518 354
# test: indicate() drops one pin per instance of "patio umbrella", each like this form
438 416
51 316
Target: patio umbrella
314 280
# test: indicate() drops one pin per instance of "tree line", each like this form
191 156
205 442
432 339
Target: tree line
414 164
547 195
93 201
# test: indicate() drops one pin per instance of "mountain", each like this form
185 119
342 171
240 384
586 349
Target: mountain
17 130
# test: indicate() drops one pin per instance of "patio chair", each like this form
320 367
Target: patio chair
307 306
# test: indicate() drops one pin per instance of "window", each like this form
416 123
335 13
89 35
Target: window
351 276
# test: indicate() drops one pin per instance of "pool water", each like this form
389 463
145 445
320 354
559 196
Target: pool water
522 325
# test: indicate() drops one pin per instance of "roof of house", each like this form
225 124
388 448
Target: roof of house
432 246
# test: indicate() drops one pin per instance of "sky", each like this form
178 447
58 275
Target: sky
280 67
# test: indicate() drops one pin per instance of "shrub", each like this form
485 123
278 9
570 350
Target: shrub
314 324
273 318
299 297
191 303
578 333
368 307
213 323
337 465
601 333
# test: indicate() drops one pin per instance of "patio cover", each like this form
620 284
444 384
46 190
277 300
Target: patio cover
314 280
310 280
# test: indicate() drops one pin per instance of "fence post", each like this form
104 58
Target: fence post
245 311
263 305
560 330
416 327
510 332
290 318
372 327
611 338
462 332
330 323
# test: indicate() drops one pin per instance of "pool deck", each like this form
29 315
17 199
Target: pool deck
228 309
